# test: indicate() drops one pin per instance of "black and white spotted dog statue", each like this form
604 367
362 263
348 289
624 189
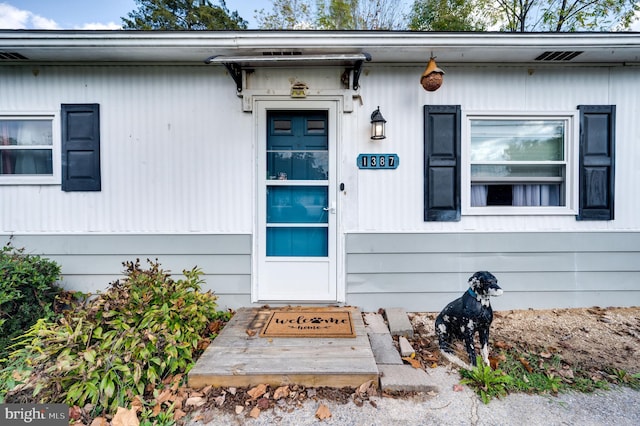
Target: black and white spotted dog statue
464 316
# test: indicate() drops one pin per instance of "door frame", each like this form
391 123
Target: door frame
334 107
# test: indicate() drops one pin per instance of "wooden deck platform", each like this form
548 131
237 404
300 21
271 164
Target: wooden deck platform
236 359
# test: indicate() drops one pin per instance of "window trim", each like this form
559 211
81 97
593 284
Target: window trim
571 151
54 178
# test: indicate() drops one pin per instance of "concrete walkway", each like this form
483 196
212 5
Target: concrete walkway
619 406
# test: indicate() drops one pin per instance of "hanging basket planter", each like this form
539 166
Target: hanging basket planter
432 77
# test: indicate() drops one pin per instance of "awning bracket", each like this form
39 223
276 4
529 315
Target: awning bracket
357 69
234 64
235 71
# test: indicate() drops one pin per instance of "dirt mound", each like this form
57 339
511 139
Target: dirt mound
593 338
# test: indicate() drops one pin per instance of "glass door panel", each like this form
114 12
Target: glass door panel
297 184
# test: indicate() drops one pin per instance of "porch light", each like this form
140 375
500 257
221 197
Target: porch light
377 125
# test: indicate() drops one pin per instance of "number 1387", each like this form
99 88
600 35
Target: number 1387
377 161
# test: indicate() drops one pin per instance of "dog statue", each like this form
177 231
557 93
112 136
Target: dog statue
464 316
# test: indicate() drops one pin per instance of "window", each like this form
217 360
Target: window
28 149
520 164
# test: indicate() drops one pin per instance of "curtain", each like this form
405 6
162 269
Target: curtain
479 195
522 195
33 162
6 166
536 195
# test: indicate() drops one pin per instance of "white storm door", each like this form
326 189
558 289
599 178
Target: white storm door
296 244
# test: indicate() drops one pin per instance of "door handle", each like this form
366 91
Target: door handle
331 209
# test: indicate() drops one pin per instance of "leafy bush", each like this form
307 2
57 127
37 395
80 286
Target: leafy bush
27 292
121 344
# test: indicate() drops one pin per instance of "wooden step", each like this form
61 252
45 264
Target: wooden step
237 359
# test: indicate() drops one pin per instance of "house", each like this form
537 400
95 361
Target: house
249 154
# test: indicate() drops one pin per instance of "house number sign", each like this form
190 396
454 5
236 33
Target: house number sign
378 161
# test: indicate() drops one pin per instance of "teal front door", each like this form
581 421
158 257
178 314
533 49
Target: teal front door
298 208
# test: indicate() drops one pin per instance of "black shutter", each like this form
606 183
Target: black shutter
597 161
81 147
442 163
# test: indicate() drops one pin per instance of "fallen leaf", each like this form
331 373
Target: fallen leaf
458 388
125 417
239 409
263 403
99 421
255 412
164 396
203 344
323 412
526 365
137 403
215 326
251 333
567 373
195 401
257 392
75 412
494 362
415 363
502 345
219 400
430 358
545 355
281 392
156 410
366 389
177 415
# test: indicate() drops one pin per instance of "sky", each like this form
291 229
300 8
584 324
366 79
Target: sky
103 14
91 14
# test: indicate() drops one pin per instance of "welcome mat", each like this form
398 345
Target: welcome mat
309 322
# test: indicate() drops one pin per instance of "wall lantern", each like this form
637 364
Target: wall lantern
432 76
377 125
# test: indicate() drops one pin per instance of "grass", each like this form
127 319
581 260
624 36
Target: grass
519 371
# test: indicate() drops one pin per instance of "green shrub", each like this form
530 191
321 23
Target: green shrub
121 344
27 292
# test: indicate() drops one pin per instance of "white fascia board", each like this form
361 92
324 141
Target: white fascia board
184 46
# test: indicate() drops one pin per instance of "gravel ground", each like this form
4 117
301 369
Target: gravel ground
452 405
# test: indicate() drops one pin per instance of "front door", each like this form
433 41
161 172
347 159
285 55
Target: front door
296 239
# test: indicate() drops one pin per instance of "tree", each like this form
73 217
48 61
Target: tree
182 15
337 14
287 15
450 15
523 15
379 15
332 15
566 15
603 15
